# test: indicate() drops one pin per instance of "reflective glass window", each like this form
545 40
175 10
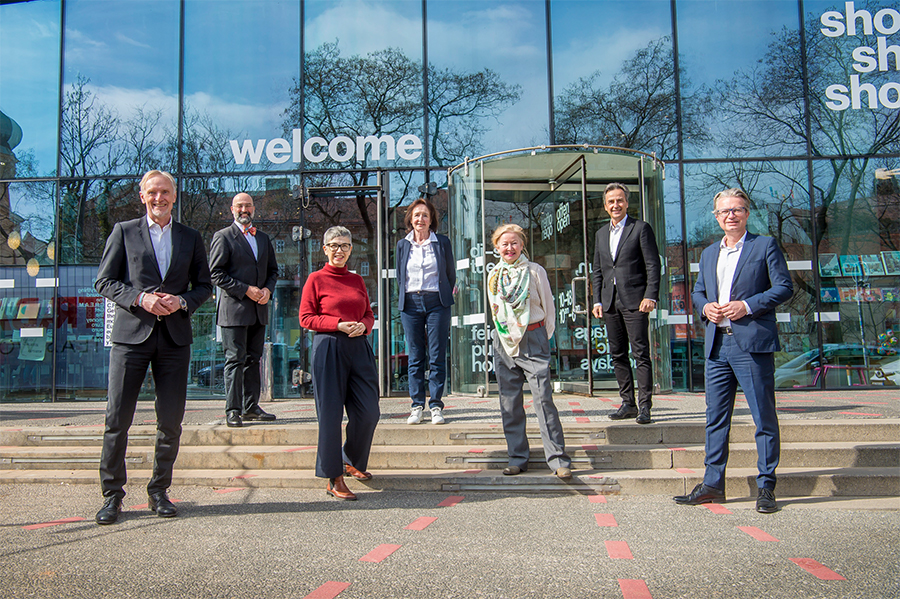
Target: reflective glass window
487 78
120 104
741 79
362 93
241 63
614 75
29 45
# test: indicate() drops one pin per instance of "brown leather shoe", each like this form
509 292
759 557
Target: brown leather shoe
356 473
337 488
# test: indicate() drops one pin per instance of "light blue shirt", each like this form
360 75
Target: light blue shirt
251 239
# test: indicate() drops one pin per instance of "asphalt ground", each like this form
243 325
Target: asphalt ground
281 543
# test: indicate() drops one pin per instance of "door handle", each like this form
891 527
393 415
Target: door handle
574 303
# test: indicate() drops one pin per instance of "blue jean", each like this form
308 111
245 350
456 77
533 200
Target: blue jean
426 323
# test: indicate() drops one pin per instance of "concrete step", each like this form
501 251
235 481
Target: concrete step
453 457
740 483
671 433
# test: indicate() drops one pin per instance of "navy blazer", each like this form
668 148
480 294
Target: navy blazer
234 269
636 269
129 267
446 268
761 279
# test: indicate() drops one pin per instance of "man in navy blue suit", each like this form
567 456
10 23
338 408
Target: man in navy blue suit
742 279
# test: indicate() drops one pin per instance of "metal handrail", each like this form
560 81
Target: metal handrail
467 161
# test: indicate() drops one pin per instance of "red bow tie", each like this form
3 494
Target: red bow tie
251 230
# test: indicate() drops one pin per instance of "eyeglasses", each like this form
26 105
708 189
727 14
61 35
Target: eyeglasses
739 211
341 247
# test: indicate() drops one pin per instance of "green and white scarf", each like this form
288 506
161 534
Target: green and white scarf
508 295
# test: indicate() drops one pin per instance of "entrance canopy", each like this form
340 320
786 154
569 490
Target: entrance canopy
556 194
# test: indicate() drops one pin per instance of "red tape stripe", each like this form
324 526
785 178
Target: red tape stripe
52 523
717 509
757 533
421 523
451 500
618 549
329 590
817 569
634 588
597 498
380 553
605 520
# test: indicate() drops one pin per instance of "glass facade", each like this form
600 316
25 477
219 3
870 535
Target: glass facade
334 112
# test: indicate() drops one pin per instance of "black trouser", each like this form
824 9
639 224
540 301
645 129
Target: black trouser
243 348
344 377
127 369
624 326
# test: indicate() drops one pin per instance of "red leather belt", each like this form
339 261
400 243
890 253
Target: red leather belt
533 326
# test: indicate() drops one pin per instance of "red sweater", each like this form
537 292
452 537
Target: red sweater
332 295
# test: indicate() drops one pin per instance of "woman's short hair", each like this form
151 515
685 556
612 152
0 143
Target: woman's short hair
510 228
733 193
336 232
432 214
155 173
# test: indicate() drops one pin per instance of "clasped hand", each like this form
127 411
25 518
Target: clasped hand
258 295
160 303
352 328
733 310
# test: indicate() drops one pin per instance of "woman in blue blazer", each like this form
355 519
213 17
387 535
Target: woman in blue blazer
426 272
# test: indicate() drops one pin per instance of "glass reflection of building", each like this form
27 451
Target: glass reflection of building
95 92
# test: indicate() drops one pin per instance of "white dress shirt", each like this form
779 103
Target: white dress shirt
422 268
161 238
615 234
251 239
725 268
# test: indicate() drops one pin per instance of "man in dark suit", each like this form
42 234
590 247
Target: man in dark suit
155 270
625 278
742 279
242 263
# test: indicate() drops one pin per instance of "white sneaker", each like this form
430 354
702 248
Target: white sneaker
415 416
437 418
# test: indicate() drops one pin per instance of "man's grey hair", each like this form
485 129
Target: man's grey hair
733 193
336 232
616 186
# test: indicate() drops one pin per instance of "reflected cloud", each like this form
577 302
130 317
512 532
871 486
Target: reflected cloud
353 21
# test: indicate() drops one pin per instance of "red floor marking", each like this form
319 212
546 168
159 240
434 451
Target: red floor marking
494 426
757 533
634 588
476 450
574 403
298 449
578 411
248 476
52 523
872 403
380 553
145 505
858 414
421 523
794 400
98 424
588 447
329 590
685 471
597 499
226 490
473 471
790 409
582 419
605 400
817 569
618 549
451 500
676 449
717 509
605 520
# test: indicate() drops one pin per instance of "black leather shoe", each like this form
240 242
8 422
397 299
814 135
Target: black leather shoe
108 515
233 419
258 414
701 495
626 411
513 470
765 501
161 505
643 416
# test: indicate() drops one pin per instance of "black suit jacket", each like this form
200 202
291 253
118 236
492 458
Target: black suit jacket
129 267
635 271
234 269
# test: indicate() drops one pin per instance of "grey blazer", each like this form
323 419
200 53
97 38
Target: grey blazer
234 269
128 267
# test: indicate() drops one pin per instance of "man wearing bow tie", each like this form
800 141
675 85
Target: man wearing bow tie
155 271
242 263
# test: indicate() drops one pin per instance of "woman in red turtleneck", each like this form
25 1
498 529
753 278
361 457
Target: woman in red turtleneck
335 304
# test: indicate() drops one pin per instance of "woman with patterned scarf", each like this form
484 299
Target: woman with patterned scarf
524 319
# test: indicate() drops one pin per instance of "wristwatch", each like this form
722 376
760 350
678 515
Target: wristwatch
183 303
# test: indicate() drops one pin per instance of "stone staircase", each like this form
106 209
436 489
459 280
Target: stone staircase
852 457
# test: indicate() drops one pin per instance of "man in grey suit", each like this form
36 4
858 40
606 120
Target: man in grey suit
242 263
155 270
625 276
